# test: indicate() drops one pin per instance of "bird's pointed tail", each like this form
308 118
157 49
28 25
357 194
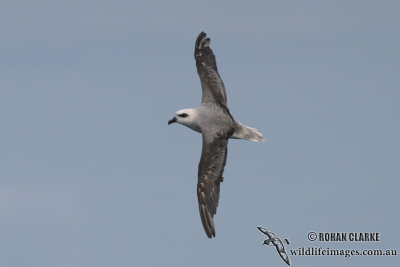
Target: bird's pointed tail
245 132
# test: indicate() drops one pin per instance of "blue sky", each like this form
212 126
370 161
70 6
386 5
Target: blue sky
92 175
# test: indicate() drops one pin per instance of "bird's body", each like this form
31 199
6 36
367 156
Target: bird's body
214 121
208 118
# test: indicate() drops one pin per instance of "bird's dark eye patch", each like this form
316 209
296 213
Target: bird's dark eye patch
183 115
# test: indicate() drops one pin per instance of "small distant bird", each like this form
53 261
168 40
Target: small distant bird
273 240
214 121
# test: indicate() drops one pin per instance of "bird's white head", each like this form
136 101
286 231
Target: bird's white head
267 242
187 117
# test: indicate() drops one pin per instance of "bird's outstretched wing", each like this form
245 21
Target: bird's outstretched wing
213 90
211 167
265 231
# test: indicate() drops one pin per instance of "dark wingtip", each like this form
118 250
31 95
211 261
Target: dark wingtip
202 41
262 229
207 221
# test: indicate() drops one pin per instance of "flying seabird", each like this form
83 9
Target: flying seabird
273 240
214 121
